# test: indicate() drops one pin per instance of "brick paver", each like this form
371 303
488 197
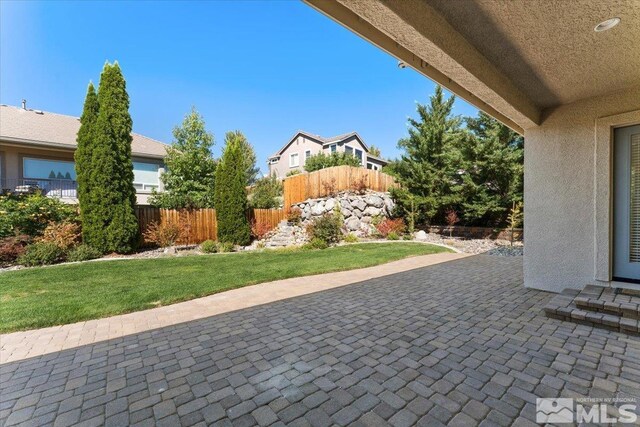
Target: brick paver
458 343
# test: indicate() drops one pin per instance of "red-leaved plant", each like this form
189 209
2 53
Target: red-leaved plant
389 225
259 229
452 219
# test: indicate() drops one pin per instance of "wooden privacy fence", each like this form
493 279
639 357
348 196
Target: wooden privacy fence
298 188
203 224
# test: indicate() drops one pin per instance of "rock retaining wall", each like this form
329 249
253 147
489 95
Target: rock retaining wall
358 209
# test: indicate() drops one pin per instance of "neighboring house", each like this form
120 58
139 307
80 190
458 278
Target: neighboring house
36 151
567 78
303 145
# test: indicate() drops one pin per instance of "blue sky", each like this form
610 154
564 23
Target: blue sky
265 68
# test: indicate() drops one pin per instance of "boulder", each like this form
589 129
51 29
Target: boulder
421 235
359 204
352 224
372 211
317 209
375 201
329 205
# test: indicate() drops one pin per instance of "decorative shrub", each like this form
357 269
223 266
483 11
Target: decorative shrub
41 253
294 172
266 193
209 247
327 228
316 243
62 234
259 229
11 248
330 187
351 238
360 186
83 253
389 225
169 233
225 247
295 216
393 236
30 214
321 161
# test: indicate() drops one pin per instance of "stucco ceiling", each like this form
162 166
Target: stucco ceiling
549 49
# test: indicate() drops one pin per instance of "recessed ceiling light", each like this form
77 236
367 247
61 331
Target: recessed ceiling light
606 25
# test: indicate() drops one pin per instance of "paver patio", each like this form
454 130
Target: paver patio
458 343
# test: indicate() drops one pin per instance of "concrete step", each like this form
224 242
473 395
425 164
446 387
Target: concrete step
609 301
581 307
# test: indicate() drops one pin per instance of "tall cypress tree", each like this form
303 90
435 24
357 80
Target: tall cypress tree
83 157
112 224
230 197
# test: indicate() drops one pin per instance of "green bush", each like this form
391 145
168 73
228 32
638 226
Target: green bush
351 238
322 161
209 247
266 193
393 236
407 237
225 247
30 214
327 228
316 243
83 252
41 253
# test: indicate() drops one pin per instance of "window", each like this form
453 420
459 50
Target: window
48 169
294 160
348 150
333 148
274 160
359 155
307 154
145 176
372 166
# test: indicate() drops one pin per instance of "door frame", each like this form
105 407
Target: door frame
603 184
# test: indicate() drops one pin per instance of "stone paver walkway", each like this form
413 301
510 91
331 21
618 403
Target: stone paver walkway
20 345
460 343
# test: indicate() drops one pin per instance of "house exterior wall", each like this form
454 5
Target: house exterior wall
11 164
303 144
560 192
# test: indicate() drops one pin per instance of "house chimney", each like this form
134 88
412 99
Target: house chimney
24 104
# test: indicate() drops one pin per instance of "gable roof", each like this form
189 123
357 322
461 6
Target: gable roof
57 130
322 140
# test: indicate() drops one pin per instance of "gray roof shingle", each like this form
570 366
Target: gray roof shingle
53 129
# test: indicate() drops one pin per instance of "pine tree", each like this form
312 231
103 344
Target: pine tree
492 171
189 180
112 223
231 195
428 168
252 171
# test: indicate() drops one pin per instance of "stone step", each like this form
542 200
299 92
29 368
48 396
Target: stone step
563 307
609 301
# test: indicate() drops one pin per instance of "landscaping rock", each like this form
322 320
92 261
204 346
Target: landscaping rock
421 235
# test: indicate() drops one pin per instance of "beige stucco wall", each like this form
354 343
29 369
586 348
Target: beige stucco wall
11 165
560 192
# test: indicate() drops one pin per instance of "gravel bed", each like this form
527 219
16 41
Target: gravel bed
477 246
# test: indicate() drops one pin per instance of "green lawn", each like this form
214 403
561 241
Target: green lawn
41 297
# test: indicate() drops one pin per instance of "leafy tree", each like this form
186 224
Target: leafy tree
375 151
428 168
111 221
189 179
492 171
230 196
266 193
252 171
322 161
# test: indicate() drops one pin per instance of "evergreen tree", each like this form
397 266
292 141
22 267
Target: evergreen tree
83 160
492 168
428 168
252 171
231 193
375 151
266 193
189 179
112 223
